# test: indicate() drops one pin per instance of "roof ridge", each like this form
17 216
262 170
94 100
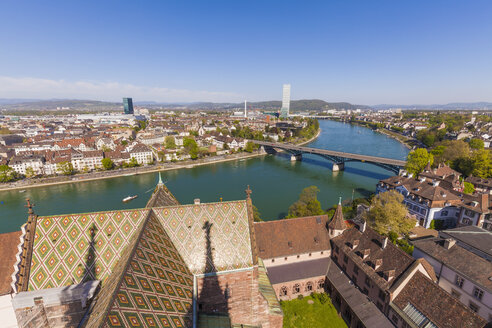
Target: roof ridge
122 265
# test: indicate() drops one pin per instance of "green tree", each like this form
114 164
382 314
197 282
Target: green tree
469 188
7 174
170 142
191 147
476 144
454 150
249 147
481 163
307 205
107 163
387 213
417 160
65 168
133 162
256 214
30 172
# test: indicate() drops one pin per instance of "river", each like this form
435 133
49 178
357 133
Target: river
275 181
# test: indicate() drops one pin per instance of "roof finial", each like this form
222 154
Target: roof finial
340 200
248 192
160 179
29 206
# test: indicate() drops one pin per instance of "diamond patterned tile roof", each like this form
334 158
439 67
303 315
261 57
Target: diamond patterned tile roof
230 234
161 197
71 249
150 287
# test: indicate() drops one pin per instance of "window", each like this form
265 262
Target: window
354 279
459 281
296 289
309 286
469 213
368 282
477 293
321 284
422 211
444 213
455 293
365 291
345 258
474 307
394 318
283 291
356 269
336 249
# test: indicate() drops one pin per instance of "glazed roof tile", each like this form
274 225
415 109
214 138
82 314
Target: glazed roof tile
151 284
230 234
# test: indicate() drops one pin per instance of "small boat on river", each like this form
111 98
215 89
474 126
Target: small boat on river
129 198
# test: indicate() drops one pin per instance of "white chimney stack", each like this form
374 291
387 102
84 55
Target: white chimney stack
245 109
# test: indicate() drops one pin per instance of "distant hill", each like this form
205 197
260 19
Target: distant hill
59 104
92 105
450 106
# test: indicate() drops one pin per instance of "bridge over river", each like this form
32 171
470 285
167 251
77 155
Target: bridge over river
338 158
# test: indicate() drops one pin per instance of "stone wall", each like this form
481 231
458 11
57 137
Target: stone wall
236 294
292 289
52 316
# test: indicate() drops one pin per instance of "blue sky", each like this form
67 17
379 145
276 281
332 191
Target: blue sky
364 52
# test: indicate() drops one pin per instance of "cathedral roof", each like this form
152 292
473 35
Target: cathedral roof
74 248
230 234
161 197
150 285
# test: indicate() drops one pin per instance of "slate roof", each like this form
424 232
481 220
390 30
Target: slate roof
150 286
292 236
393 257
434 194
338 222
459 259
298 270
8 250
473 236
360 304
437 305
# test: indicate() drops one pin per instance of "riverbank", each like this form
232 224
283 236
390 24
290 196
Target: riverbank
398 137
94 176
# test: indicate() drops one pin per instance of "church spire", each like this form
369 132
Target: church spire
337 224
160 180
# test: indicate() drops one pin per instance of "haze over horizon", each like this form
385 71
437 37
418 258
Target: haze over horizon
359 52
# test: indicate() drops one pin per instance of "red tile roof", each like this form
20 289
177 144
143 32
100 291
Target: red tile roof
8 249
292 236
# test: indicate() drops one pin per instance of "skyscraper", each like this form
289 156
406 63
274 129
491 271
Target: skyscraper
284 112
128 105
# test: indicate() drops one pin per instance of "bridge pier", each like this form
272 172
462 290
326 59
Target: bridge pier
338 167
297 157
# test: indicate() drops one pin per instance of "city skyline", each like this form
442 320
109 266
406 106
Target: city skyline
362 53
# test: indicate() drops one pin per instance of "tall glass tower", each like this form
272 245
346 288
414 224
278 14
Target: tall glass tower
284 112
128 105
